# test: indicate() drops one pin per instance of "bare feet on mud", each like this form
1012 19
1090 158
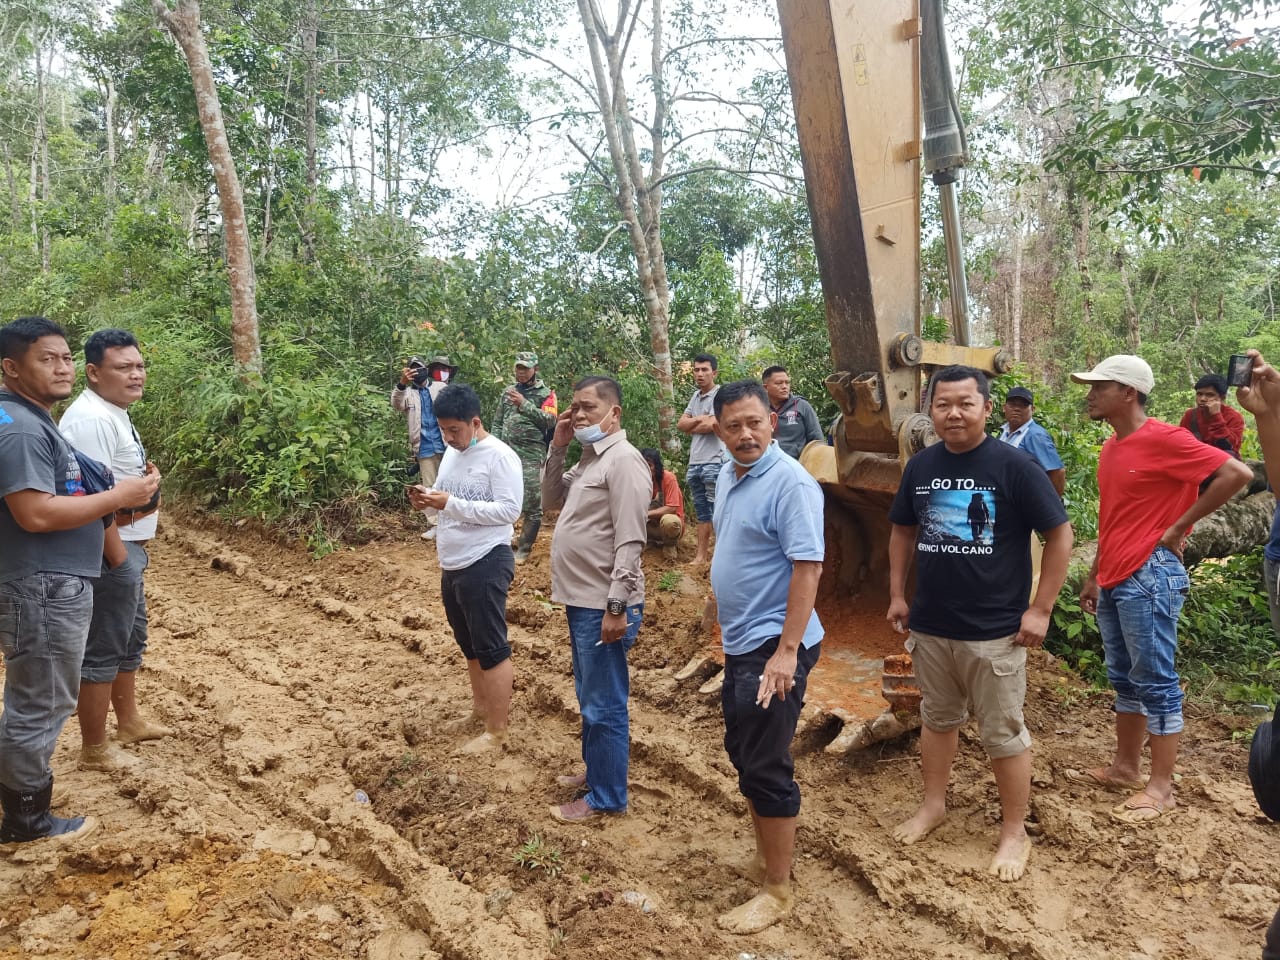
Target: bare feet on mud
752 867
142 729
1010 861
471 721
919 826
766 908
107 758
484 743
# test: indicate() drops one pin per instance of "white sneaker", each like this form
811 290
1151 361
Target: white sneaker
429 534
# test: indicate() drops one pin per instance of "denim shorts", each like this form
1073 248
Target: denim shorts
988 675
475 602
758 740
118 631
702 484
1138 620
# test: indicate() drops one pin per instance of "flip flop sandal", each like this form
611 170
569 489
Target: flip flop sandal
1140 809
1091 778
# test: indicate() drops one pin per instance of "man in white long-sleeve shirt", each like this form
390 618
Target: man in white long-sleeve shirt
478 493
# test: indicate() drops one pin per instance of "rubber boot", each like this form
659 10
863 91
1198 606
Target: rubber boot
528 535
27 818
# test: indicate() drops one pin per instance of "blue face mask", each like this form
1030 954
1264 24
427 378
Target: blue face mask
747 466
592 433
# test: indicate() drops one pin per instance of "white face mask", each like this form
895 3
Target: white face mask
592 433
443 375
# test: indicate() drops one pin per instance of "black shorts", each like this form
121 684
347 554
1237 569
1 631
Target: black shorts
759 741
475 601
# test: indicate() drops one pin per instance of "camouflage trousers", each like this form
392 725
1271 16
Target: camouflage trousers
532 508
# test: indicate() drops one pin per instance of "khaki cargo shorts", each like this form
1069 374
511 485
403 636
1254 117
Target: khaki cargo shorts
988 677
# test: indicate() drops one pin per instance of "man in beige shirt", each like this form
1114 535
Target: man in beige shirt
595 573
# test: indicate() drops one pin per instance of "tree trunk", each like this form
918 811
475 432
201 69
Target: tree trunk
373 153
40 163
637 195
109 120
310 27
15 205
1133 336
1079 213
1015 310
184 24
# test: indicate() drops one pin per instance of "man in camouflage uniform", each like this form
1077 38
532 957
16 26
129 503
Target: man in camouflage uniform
525 418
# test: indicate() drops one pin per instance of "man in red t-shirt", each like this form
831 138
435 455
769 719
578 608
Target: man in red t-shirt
1211 421
1149 475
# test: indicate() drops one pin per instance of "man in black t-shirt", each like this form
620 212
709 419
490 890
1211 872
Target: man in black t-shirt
966 508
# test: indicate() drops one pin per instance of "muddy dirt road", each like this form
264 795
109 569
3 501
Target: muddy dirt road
301 687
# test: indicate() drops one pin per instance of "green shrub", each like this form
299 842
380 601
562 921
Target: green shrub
309 451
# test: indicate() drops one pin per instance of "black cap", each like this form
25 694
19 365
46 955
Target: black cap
1020 393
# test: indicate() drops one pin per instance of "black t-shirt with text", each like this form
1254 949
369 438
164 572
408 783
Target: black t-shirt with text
974 513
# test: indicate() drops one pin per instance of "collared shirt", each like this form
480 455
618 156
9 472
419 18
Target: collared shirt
1035 440
764 520
409 401
99 429
704 447
601 532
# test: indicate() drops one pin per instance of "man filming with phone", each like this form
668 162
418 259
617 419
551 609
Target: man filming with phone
1211 421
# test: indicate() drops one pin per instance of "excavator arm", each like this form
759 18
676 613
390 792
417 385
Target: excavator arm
871 86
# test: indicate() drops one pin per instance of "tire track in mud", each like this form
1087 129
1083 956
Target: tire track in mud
681 790
356 676
278 699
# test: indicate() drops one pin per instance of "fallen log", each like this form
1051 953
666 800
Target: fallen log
1235 527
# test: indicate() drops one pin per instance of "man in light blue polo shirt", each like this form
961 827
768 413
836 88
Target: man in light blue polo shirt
1021 431
768 559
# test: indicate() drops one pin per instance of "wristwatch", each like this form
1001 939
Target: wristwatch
616 608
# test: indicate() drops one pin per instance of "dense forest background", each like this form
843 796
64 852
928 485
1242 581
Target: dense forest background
616 189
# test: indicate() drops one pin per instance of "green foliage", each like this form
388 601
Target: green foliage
669 580
1148 91
1226 640
294 449
538 854
1073 634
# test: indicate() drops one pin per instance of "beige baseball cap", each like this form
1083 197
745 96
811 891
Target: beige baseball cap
1122 368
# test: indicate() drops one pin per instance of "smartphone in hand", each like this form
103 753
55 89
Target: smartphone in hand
1239 370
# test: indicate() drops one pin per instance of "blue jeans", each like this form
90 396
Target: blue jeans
1138 620
118 630
702 484
602 684
44 620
